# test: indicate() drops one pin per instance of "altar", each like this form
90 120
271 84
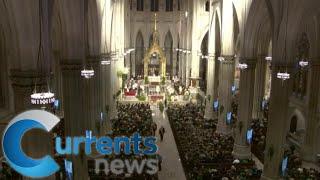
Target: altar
155 68
152 85
154 59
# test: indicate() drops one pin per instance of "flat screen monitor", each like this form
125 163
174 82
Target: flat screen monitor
233 89
56 104
216 105
263 104
249 136
68 168
88 134
229 118
284 166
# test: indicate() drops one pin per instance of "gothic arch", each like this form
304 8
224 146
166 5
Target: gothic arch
168 50
94 29
301 121
139 55
257 30
203 62
236 26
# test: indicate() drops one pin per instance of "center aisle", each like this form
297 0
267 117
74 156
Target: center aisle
171 164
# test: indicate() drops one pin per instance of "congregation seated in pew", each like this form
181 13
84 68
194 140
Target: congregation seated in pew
204 153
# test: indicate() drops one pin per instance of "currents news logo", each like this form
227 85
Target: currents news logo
11 144
38 168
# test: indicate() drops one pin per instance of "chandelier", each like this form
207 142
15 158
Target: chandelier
303 63
221 59
268 58
105 61
242 66
185 51
86 73
42 98
283 76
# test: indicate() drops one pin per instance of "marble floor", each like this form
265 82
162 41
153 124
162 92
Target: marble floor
171 165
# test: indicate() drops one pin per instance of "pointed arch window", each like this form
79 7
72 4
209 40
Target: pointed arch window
207 6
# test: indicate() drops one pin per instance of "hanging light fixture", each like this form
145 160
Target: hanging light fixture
105 60
220 58
48 97
268 58
303 63
242 66
285 75
86 73
42 98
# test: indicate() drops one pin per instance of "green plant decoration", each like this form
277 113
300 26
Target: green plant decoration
141 97
146 80
115 96
163 80
161 107
119 74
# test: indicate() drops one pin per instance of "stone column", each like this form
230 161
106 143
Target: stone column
117 44
241 149
276 134
174 63
188 58
226 79
195 66
75 112
180 66
23 85
184 61
209 113
259 87
216 82
108 96
309 148
211 67
112 81
36 143
93 97
133 64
